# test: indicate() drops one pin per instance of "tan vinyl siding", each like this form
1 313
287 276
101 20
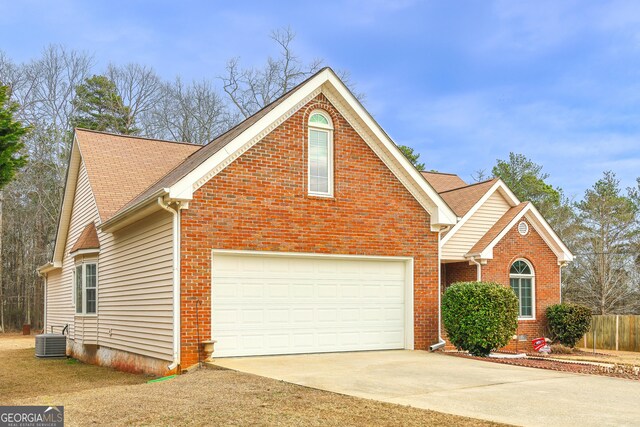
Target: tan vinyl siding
58 303
135 288
135 283
86 329
475 227
84 211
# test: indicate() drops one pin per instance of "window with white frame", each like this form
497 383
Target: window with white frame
522 281
85 288
320 148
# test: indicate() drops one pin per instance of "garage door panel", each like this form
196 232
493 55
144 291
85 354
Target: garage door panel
283 305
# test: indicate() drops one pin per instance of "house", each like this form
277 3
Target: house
500 239
302 229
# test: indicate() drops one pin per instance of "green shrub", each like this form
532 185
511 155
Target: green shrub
479 316
568 322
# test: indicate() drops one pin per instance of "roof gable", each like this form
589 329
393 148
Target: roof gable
475 195
88 239
496 229
483 249
180 183
121 167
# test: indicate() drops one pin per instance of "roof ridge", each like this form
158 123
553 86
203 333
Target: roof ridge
442 173
470 185
138 137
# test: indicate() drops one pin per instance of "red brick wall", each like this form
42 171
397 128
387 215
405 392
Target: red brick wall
547 276
458 272
260 202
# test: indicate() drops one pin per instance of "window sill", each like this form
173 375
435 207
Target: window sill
321 196
526 319
86 315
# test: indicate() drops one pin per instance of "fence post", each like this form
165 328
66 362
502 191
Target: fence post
617 330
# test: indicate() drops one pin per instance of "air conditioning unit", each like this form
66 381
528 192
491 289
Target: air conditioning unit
51 345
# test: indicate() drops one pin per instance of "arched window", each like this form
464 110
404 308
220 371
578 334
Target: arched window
522 281
320 169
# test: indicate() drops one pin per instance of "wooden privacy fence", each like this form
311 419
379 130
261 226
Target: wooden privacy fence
614 332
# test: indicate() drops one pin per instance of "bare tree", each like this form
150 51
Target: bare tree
250 89
479 175
44 89
193 113
139 87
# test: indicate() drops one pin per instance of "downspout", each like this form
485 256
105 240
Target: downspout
478 269
441 342
176 281
562 264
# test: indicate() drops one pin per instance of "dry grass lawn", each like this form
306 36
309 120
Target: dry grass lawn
101 396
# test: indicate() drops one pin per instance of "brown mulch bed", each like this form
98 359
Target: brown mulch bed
629 372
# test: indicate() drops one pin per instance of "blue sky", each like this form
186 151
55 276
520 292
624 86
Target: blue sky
462 82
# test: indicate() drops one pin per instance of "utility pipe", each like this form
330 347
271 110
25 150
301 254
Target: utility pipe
176 280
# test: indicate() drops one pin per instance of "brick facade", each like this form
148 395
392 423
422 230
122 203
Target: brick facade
547 276
458 272
514 246
260 202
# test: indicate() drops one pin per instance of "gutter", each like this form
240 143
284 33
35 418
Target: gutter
125 213
176 280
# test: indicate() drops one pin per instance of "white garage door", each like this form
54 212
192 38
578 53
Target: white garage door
285 304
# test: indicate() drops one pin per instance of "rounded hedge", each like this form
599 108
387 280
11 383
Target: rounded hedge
568 322
479 317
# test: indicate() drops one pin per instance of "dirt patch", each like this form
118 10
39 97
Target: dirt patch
95 395
616 370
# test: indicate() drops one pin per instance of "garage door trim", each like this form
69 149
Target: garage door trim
408 289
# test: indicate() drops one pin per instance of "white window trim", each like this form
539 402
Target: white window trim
531 276
84 264
329 130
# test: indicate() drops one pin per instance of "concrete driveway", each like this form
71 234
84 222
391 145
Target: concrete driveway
491 391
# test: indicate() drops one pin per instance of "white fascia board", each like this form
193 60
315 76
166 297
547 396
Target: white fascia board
64 218
504 191
84 252
184 188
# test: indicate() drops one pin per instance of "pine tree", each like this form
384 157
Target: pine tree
412 156
99 107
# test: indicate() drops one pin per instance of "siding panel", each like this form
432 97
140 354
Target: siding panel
475 227
136 288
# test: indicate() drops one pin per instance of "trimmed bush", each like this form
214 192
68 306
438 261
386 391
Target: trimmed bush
479 317
568 322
